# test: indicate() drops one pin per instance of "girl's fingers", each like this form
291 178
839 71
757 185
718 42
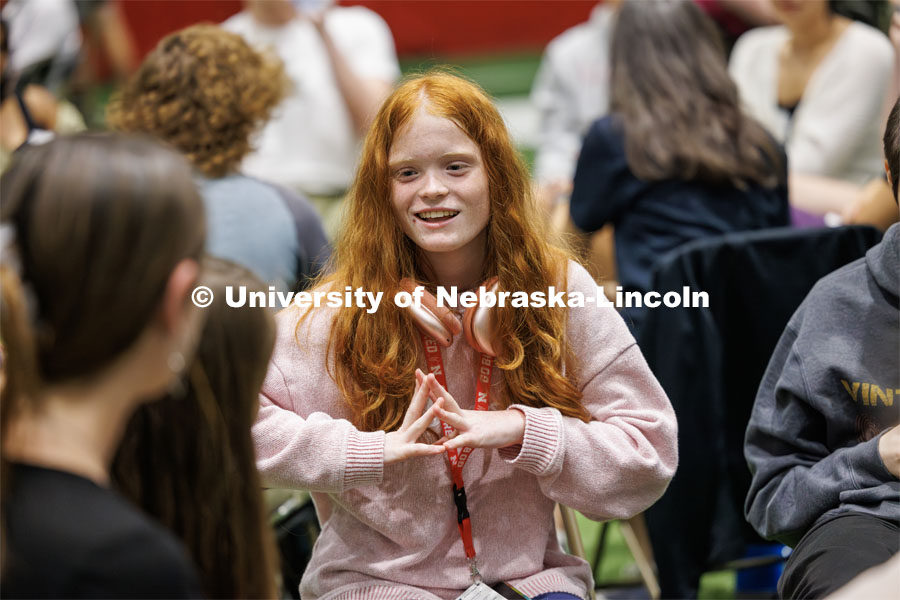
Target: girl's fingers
459 442
454 420
436 389
419 426
425 449
416 406
422 379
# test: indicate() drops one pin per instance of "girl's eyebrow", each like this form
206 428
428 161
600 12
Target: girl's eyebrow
462 155
395 164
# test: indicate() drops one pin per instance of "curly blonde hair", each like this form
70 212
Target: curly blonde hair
203 90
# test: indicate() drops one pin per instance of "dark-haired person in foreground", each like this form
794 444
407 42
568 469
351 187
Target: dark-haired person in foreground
104 237
823 442
188 459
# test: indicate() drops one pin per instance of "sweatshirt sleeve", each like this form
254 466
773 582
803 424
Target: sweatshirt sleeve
621 461
796 476
317 453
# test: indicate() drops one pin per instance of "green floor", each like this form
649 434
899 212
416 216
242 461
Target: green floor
618 565
499 75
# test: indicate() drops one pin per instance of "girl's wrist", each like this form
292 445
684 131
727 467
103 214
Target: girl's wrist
519 436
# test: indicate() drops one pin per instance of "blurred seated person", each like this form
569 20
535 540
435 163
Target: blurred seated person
342 64
28 113
205 91
817 83
198 477
873 203
570 91
676 160
823 442
108 56
46 37
571 87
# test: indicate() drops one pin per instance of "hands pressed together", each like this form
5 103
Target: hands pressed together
478 429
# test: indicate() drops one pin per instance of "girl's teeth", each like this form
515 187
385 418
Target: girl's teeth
437 214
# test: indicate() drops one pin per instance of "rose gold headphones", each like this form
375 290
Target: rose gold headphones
441 324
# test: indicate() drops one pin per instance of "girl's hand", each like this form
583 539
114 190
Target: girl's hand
475 428
403 444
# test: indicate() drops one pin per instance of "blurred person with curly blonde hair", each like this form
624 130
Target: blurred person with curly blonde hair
206 92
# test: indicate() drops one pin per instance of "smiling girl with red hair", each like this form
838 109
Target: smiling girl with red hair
442 198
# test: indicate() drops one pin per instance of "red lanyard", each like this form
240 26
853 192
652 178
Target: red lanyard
458 458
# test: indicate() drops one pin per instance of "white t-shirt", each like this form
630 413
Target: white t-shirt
571 91
41 30
310 144
836 129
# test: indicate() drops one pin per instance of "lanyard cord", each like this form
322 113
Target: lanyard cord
458 458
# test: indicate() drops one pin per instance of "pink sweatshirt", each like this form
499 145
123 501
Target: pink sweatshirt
389 532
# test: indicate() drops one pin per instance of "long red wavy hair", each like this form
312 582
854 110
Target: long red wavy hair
374 366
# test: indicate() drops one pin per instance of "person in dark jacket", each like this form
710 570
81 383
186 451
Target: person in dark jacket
676 160
823 443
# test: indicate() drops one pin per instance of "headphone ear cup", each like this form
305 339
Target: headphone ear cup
438 322
479 323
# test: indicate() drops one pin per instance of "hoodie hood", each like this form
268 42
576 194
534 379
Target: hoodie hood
883 260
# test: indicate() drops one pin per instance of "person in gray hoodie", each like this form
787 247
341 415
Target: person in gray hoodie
823 443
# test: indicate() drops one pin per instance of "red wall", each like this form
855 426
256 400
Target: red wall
151 20
448 27
436 27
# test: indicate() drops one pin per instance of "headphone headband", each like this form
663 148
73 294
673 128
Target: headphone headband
440 323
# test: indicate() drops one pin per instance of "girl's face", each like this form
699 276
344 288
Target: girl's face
439 188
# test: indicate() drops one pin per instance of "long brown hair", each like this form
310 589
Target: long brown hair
374 371
95 225
189 461
678 106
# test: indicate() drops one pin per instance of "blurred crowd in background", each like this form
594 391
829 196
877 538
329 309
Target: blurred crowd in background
548 64
646 129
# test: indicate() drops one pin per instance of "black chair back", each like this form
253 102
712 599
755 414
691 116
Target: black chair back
710 361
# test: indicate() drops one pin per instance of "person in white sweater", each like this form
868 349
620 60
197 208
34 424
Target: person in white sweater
818 83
